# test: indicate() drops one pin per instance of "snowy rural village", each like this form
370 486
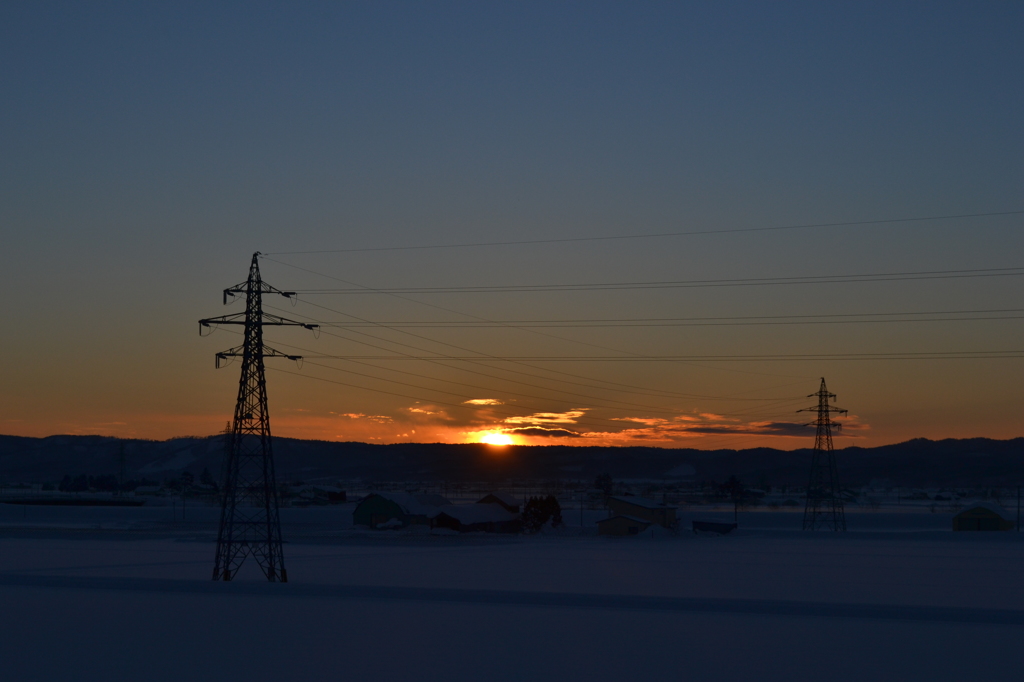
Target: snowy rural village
718 580
545 340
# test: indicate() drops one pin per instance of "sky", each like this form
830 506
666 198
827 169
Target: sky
147 150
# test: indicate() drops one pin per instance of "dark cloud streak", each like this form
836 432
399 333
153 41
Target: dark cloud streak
546 433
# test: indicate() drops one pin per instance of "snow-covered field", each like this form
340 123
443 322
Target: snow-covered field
124 594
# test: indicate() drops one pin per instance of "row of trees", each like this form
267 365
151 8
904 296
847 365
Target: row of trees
109 483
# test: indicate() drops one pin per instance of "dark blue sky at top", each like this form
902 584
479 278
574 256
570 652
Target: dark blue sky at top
407 103
147 149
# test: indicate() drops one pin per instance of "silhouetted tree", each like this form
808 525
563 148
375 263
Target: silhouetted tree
533 515
604 483
540 510
551 503
206 479
83 482
732 488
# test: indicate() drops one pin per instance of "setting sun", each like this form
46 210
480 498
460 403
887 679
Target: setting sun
497 438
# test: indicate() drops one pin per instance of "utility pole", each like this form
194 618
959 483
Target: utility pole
249 519
824 505
121 471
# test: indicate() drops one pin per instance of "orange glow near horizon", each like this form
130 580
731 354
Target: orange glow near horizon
379 427
497 438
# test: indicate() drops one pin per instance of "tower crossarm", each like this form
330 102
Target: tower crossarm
206 323
831 409
255 284
268 352
822 394
264 288
266 319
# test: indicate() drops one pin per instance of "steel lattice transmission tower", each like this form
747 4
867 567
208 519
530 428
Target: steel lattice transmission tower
249 520
824 507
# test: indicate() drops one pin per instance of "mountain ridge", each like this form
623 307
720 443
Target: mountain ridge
917 462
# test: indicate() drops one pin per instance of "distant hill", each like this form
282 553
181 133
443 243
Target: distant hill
919 462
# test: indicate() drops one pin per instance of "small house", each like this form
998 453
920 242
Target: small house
396 510
622 525
477 518
982 516
318 494
504 499
642 508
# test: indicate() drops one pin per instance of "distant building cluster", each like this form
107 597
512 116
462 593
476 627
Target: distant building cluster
496 512
630 515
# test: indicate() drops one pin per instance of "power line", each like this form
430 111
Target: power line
639 406
940 355
579 421
477 360
589 420
683 284
658 235
476 317
483 358
480 361
582 421
619 403
742 320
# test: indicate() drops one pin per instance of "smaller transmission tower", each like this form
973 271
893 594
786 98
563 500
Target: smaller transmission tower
824 506
249 520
